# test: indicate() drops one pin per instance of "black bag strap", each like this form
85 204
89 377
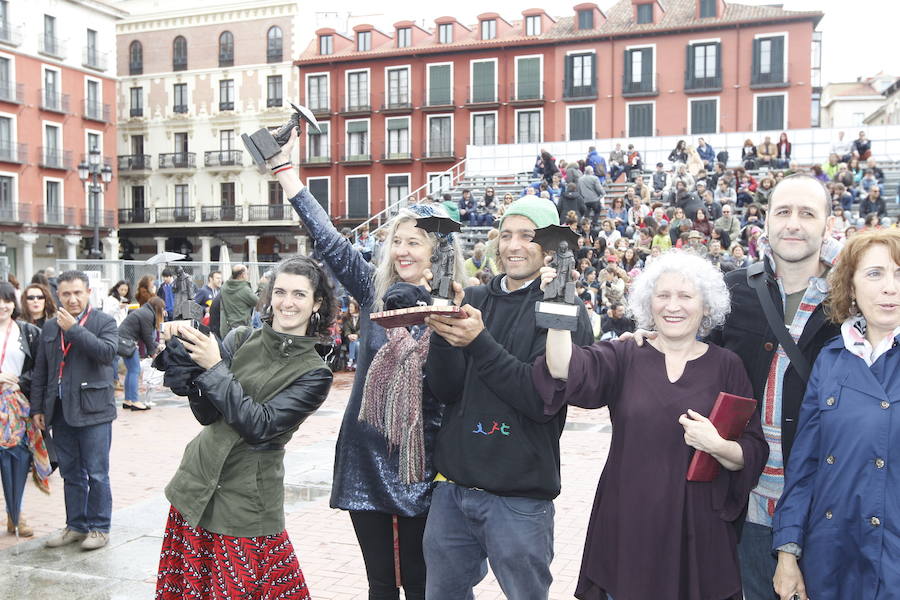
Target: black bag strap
759 281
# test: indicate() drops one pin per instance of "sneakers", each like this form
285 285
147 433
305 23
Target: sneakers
24 529
94 540
64 537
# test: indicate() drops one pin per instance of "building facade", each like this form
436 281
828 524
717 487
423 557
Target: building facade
190 83
57 90
399 107
851 103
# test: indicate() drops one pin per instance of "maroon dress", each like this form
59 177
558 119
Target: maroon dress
652 534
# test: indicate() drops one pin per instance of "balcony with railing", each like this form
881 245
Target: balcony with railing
438 150
10 34
574 91
176 214
15 212
94 59
354 155
136 112
12 92
319 159
647 86
130 163
356 106
396 102
394 153
438 98
224 106
527 93
179 63
96 111
229 214
482 96
224 160
51 46
269 212
274 102
54 101
275 54
135 216
54 158
320 105
775 78
11 152
696 85
135 67
178 160
180 109
101 218
58 215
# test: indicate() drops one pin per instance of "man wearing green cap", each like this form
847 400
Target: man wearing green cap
497 453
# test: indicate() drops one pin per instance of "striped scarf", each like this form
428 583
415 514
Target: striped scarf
771 482
392 399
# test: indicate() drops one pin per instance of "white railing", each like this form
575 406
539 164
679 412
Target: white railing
808 146
437 185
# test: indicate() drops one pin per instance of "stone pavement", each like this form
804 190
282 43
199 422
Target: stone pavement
147 447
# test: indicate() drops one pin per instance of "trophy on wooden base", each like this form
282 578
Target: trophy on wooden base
263 145
558 310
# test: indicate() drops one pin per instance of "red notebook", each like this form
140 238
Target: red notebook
730 415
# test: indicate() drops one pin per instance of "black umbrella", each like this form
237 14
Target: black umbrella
14 463
550 236
437 224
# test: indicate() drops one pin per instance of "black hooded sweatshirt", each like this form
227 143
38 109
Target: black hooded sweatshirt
494 434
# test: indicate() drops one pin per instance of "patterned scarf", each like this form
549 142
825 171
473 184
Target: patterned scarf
15 425
853 332
392 399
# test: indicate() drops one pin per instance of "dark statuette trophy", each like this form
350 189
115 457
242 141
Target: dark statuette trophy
263 144
558 310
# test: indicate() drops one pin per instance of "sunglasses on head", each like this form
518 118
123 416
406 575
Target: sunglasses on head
34 297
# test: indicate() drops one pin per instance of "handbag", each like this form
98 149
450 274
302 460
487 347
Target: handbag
126 348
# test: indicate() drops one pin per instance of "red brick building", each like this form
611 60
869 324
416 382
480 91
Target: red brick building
400 107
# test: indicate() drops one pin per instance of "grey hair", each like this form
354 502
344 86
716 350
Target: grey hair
707 279
386 275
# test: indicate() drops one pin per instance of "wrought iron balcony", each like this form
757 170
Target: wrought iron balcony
134 162
96 111
134 215
54 101
176 214
58 215
178 160
54 158
93 59
13 153
223 158
270 212
51 46
221 213
11 92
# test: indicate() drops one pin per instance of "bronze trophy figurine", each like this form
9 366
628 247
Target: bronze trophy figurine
263 145
558 310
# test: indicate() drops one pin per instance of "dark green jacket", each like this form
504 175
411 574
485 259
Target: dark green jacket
236 301
231 478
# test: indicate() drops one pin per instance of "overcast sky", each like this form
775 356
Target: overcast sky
859 37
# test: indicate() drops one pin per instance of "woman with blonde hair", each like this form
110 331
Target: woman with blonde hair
383 468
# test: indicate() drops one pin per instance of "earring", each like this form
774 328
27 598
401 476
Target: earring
314 324
854 309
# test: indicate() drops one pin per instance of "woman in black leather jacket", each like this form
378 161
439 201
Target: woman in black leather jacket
251 396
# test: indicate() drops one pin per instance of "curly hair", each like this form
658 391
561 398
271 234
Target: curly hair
49 304
323 292
839 301
700 272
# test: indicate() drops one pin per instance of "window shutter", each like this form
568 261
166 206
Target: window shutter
778 59
357 198
323 129
703 117
357 127
439 87
593 73
628 67
580 124
528 86
718 46
483 82
689 67
756 65
647 82
570 75
395 124
319 189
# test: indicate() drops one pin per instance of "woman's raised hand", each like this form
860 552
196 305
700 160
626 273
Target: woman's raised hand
285 155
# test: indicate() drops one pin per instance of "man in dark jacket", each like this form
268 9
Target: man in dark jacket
800 253
210 291
72 395
590 189
497 453
237 301
166 291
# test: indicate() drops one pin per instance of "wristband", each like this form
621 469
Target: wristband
287 167
284 164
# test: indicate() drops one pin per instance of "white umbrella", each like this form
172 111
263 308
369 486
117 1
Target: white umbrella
224 259
163 258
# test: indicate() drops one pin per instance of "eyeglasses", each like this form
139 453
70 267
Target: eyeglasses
34 297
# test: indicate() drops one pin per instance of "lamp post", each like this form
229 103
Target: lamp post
92 171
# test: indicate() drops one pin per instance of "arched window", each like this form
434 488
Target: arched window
179 54
226 49
274 44
135 58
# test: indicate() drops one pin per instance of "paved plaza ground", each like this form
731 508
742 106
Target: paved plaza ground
147 447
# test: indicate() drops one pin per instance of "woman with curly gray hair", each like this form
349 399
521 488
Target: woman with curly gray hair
647 518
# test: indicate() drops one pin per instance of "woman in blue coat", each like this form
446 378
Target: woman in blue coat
383 472
837 526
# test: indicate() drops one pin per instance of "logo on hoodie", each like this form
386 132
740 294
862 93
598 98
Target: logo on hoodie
502 429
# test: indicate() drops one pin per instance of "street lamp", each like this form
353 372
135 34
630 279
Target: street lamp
93 172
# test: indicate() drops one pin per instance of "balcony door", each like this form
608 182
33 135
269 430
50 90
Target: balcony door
181 149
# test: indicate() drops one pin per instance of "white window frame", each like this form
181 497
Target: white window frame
628 116
88 79
59 83
784 61
540 58
327 178
62 195
327 135
472 75
400 34
756 97
187 94
330 43
538 109
488 29
13 130
387 85
306 79
60 138
360 37
12 67
704 42
718 100
14 201
472 116
347 179
143 98
368 98
440 176
593 108
428 80
368 122
428 130
387 135
529 21
441 28
593 64
653 63
234 92
387 197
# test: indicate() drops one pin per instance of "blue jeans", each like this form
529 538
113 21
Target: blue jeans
132 375
352 349
467 527
83 455
757 562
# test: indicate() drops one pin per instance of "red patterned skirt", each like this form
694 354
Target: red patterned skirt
198 564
